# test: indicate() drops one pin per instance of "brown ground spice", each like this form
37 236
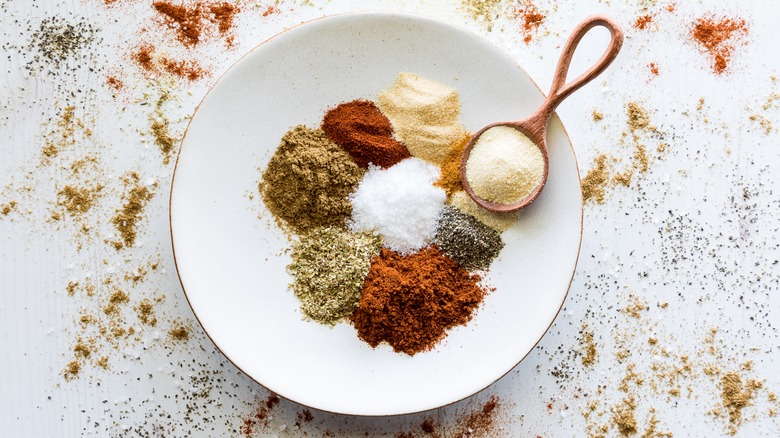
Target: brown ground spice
126 219
308 181
365 133
411 301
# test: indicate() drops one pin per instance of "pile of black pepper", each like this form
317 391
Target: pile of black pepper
57 40
466 240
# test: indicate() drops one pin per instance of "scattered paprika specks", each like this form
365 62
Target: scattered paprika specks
270 10
653 68
717 37
115 83
530 20
191 23
153 63
642 22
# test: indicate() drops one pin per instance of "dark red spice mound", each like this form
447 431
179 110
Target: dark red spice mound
409 301
364 132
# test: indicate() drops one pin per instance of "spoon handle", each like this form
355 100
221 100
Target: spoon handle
559 90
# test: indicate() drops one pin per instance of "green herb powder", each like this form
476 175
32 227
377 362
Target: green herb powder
329 266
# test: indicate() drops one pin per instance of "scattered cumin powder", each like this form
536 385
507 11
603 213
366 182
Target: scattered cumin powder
717 37
72 370
595 181
191 24
8 207
588 346
145 310
114 301
179 333
163 139
735 396
597 116
126 219
623 416
642 22
530 19
637 117
78 200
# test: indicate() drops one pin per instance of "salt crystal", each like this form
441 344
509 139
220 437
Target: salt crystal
400 203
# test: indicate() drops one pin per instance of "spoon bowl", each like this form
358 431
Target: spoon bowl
535 126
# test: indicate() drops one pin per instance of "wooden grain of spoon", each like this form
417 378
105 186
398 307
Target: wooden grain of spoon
535 126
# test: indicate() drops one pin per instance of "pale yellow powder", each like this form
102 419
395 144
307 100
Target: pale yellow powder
498 221
505 166
424 115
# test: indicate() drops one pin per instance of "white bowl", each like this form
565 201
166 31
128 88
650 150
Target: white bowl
232 263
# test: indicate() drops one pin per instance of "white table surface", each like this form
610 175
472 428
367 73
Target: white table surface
695 238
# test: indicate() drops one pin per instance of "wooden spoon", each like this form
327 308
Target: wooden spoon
535 126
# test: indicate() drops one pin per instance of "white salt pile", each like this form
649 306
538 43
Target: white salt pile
400 203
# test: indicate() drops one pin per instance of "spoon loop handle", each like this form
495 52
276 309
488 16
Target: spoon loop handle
559 89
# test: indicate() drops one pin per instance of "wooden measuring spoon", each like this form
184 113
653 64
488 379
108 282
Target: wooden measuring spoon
535 126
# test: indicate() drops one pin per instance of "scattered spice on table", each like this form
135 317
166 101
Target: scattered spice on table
78 200
58 42
643 21
530 19
308 180
594 184
424 114
126 219
180 333
653 68
717 36
466 240
8 207
192 22
410 301
364 132
400 202
115 83
163 139
154 63
328 268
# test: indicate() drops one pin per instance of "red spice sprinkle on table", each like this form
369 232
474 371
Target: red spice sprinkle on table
642 22
153 63
530 18
272 9
191 23
717 38
653 68
115 82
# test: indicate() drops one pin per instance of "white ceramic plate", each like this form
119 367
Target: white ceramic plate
232 264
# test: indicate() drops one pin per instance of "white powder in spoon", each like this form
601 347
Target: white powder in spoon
504 166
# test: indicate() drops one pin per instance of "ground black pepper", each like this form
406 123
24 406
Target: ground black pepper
466 240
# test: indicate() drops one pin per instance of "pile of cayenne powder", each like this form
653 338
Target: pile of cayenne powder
380 234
